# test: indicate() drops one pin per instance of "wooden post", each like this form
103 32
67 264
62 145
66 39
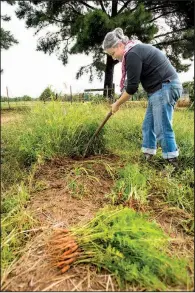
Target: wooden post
107 91
71 94
113 92
8 97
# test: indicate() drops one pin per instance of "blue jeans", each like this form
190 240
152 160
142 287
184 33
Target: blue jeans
157 125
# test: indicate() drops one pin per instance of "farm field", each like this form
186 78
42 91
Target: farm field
132 219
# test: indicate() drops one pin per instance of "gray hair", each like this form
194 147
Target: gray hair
113 38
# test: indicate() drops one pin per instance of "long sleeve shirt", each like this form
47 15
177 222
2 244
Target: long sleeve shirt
148 65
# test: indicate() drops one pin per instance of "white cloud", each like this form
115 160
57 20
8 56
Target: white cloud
27 71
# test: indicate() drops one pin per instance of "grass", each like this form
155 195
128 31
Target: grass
61 129
130 185
15 223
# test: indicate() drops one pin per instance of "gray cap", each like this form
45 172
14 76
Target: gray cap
113 38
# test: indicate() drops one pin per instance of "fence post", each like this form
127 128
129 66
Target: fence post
113 92
107 91
71 94
8 97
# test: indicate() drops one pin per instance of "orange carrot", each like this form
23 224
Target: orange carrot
69 251
62 240
66 252
61 230
71 255
74 248
61 263
69 261
66 268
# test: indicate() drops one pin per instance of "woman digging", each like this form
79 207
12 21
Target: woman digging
148 65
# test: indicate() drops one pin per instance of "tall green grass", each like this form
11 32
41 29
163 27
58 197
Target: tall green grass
53 129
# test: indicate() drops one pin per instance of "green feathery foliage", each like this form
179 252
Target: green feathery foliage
133 249
131 184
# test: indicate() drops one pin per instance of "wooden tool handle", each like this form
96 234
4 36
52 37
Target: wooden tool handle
97 131
103 123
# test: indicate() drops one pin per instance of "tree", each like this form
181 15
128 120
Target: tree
47 95
7 39
81 26
178 42
26 98
189 86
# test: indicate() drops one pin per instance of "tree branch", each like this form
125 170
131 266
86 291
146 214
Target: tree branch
124 6
182 29
86 4
170 42
157 8
162 15
55 19
102 5
77 12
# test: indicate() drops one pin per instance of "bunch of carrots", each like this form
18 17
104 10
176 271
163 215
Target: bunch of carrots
127 244
63 249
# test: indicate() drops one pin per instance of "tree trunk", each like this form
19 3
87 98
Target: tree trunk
114 7
109 72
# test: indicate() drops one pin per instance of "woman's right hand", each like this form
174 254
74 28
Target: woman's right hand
115 107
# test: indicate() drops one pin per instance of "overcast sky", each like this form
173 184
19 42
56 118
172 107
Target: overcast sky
29 72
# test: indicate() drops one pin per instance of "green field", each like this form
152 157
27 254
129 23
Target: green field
45 179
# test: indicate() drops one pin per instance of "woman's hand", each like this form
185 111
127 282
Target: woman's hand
115 107
123 98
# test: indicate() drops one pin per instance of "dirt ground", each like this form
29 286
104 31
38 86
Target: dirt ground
65 193
9 116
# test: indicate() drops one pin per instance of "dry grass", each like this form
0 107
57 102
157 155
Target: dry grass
11 116
183 102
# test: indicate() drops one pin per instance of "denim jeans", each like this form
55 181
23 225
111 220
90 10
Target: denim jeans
157 125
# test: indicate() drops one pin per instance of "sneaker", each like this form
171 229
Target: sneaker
148 157
173 162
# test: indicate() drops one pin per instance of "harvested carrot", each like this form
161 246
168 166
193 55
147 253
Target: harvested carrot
66 268
62 243
71 255
69 261
61 263
65 246
69 251
62 239
61 230
60 236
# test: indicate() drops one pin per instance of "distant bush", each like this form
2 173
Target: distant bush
47 95
189 87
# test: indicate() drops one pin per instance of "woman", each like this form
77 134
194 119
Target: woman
148 65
